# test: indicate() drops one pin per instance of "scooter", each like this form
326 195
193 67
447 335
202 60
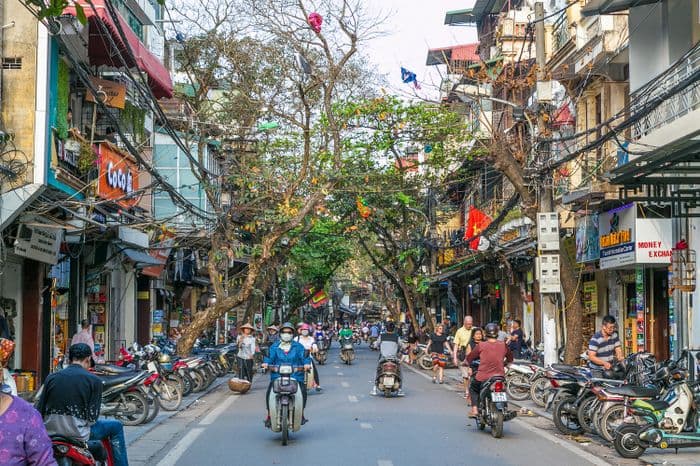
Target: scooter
70 452
388 379
493 406
286 402
347 351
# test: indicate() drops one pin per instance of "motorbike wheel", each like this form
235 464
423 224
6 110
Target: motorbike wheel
538 391
178 380
565 416
518 387
187 384
136 405
497 424
585 414
611 420
627 442
153 407
425 363
284 414
169 394
197 381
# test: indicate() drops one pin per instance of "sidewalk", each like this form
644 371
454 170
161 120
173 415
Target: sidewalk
591 443
133 433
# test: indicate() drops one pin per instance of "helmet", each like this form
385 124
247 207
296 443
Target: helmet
287 325
491 330
390 326
319 324
346 325
164 358
304 326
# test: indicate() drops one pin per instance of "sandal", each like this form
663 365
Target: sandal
434 380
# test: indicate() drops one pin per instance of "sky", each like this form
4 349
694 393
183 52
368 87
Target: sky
413 27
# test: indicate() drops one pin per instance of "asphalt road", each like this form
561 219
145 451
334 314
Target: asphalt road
348 426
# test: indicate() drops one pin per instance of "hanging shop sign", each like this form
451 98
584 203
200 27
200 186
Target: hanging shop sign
587 240
40 244
113 93
590 298
160 251
626 240
119 177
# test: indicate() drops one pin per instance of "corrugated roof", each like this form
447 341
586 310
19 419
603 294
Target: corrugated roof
441 56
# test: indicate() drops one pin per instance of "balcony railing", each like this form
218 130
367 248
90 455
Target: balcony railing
562 34
673 107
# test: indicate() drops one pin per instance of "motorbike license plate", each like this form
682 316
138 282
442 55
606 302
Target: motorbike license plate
389 381
499 397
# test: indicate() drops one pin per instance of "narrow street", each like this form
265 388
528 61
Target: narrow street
348 426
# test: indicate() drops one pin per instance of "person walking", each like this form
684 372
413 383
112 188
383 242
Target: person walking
516 341
463 336
477 337
247 347
437 345
85 336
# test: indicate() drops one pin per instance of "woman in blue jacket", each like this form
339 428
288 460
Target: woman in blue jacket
286 351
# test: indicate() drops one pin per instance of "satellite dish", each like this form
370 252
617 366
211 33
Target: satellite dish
484 244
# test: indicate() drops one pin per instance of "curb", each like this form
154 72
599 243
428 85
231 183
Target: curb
140 431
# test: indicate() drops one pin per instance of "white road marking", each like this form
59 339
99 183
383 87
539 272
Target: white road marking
344 384
340 374
216 412
336 367
384 463
175 454
352 398
366 425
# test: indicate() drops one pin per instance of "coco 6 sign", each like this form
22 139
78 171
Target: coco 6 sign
118 177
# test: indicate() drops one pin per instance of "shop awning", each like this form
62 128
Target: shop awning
140 258
605 7
101 53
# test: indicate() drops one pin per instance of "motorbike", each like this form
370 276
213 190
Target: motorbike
669 421
347 351
123 398
286 402
373 343
388 379
518 377
70 452
493 406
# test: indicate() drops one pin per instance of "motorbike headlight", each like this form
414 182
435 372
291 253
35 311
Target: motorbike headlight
285 370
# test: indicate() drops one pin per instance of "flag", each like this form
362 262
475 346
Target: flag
315 21
477 221
319 299
409 77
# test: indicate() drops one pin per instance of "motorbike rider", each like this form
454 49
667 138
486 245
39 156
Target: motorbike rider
272 335
286 351
70 403
309 344
389 347
491 354
320 335
345 332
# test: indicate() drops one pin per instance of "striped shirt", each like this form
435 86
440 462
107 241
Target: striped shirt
603 348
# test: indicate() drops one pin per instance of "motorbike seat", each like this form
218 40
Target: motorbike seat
112 380
634 391
566 368
68 440
658 405
112 369
607 382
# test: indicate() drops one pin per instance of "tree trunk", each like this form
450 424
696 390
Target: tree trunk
573 309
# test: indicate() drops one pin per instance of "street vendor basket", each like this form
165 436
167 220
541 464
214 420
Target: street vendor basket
238 385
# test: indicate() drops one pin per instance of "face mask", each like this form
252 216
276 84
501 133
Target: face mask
305 332
286 337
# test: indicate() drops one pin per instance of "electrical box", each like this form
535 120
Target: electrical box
548 231
548 273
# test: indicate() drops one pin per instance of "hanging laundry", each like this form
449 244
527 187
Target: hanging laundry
409 77
315 21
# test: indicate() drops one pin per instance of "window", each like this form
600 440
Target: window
11 63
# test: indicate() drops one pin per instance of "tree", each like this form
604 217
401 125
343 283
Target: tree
273 71
387 188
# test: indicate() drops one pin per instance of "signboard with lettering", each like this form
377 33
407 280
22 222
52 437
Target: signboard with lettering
617 237
114 92
40 244
654 241
587 240
118 177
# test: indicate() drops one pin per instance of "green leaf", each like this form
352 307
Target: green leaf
80 13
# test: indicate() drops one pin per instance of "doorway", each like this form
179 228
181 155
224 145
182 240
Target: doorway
659 315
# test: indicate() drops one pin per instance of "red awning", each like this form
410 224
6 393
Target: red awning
100 49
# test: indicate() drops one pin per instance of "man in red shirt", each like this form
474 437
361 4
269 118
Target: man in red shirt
492 355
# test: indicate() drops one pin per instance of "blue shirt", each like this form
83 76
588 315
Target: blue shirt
604 349
374 331
295 357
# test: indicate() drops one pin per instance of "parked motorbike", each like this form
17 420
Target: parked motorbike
518 377
493 406
286 402
668 421
123 398
347 351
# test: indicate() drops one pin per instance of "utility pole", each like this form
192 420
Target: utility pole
549 263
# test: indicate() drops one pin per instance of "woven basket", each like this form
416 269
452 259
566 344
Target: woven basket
238 385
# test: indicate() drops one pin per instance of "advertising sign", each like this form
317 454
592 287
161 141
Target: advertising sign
114 92
40 244
653 239
118 177
590 298
617 237
587 240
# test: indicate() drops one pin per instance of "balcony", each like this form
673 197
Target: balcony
561 36
673 108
